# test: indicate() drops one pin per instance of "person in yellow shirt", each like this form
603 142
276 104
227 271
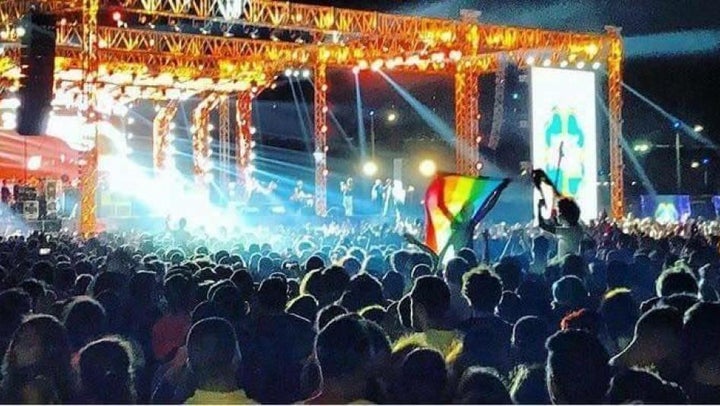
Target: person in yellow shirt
430 304
213 358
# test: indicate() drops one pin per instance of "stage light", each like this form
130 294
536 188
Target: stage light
296 73
427 168
34 162
695 164
370 168
288 72
676 125
641 147
306 73
455 55
706 161
318 155
479 166
210 127
131 121
530 60
547 62
563 64
172 126
580 65
363 65
20 31
356 70
252 156
116 16
698 128
596 65
130 136
252 144
392 117
377 65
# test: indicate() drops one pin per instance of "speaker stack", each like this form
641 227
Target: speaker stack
37 61
51 199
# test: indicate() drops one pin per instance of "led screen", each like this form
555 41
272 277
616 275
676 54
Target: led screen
564 128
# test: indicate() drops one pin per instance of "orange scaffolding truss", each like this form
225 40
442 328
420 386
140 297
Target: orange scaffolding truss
133 61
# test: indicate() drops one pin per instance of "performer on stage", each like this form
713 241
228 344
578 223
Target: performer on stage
5 193
347 191
377 196
387 197
300 199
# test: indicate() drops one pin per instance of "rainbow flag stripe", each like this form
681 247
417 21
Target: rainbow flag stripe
454 204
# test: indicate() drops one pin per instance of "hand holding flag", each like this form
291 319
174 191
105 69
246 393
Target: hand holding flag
454 205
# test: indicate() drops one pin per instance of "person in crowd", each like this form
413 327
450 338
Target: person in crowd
343 351
489 334
701 330
108 364
577 368
308 314
429 306
454 271
213 358
37 363
482 386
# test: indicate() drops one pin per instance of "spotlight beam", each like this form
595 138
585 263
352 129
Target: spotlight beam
360 118
437 124
672 118
303 124
644 179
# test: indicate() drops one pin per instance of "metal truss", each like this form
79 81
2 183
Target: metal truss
243 137
321 148
137 57
161 132
614 68
201 137
224 140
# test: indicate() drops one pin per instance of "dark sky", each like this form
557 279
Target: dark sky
672 46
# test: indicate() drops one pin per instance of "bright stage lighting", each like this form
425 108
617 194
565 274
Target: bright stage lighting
695 164
306 73
563 64
20 31
288 72
596 65
356 70
581 65
392 117
296 73
547 62
377 65
34 162
427 168
370 168
530 60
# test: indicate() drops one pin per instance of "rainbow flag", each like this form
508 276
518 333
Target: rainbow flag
454 205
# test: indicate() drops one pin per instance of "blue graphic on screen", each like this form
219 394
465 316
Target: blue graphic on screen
563 134
666 208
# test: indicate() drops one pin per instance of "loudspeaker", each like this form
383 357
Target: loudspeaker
31 210
37 61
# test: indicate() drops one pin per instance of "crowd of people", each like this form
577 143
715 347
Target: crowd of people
364 314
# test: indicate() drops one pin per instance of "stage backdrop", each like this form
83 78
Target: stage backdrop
564 122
